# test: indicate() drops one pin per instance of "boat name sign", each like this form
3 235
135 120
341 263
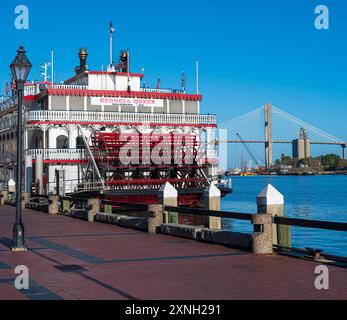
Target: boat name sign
127 101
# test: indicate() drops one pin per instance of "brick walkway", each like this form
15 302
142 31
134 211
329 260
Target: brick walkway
119 263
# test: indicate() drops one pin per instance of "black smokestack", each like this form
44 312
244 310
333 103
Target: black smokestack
83 55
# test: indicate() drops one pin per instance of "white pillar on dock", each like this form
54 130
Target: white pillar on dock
168 197
271 201
212 202
11 186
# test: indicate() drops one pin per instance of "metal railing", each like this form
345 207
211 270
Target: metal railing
67 87
120 117
7 102
57 154
8 122
89 186
31 90
8 157
180 91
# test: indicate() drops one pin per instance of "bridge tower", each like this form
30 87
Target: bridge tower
343 150
268 135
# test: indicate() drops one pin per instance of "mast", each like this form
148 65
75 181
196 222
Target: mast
52 67
112 30
197 76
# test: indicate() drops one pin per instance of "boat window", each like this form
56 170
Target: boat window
80 143
62 142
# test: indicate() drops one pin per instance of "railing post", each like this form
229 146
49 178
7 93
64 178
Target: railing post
271 201
157 218
262 234
212 202
168 197
94 208
53 207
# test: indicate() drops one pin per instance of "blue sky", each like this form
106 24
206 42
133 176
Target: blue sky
250 51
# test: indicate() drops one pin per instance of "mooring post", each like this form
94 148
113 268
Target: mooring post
53 206
11 186
157 218
4 197
212 202
94 208
271 201
168 197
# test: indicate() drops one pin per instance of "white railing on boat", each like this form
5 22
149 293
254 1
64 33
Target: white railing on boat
120 117
57 154
7 122
162 90
67 87
7 157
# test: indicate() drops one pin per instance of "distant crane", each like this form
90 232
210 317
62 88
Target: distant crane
249 150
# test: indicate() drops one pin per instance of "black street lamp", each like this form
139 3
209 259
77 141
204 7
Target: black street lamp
20 68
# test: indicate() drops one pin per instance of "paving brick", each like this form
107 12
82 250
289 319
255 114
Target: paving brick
121 263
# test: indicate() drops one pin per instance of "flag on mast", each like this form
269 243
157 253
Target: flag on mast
112 29
158 83
183 82
7 88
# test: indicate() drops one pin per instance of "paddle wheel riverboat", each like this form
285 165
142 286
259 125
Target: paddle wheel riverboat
105 132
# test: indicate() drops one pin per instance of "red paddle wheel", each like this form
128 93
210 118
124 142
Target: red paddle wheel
135 165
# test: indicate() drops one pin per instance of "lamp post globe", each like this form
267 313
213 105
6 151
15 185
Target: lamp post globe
20 68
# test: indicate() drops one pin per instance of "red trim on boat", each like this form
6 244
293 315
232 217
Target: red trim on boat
200 125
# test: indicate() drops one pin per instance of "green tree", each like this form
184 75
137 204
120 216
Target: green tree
330 161
286 160
342 165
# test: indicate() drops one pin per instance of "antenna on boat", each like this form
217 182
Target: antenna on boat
52 67
44 72
197 76
112 30
128 66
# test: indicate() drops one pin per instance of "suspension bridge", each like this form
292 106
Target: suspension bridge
270 125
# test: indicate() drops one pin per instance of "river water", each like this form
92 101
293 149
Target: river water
306 197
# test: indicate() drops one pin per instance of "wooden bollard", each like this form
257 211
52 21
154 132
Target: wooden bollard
168 197
94 208
157 218
212 202
271 201
53 206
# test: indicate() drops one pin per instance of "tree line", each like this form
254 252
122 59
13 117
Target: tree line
328 162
